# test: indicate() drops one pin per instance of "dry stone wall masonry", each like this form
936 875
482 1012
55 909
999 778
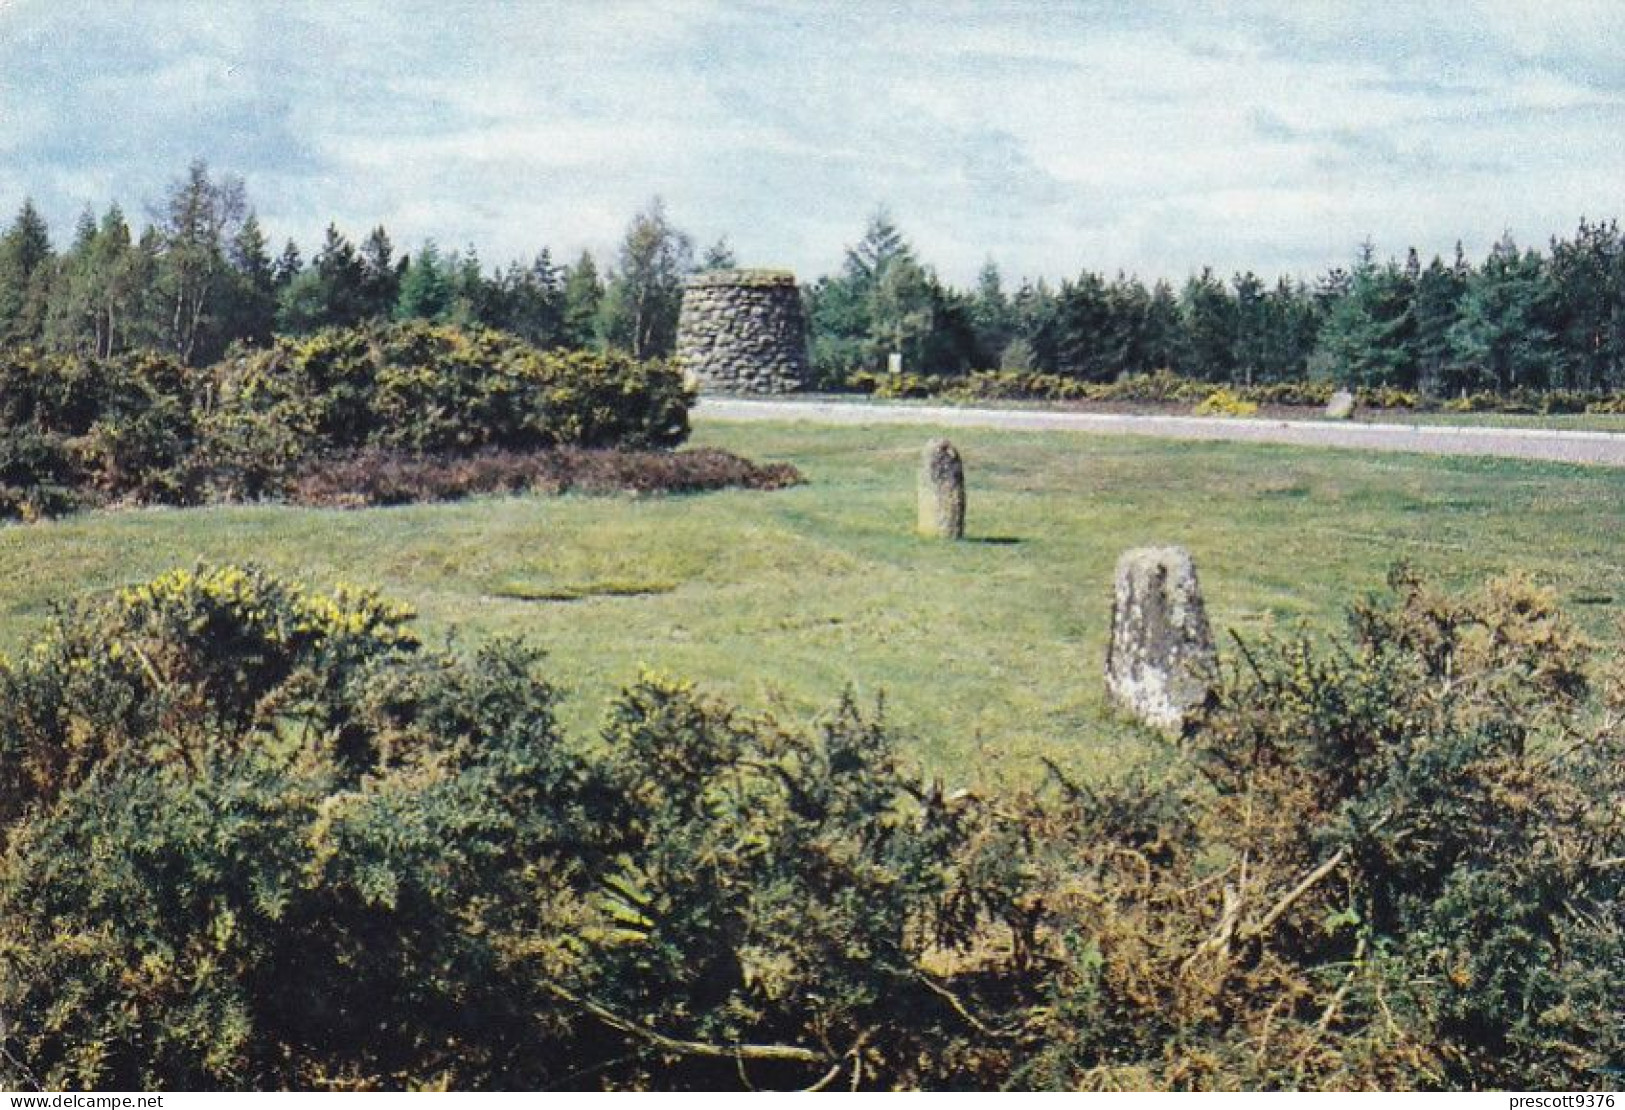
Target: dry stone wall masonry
742 331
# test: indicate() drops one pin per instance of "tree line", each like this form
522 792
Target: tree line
201 276
1520 320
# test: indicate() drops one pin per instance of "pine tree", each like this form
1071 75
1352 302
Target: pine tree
425 287
719 256
902 315
342 281
252 311
1128 307
1164 330
881 247
1293 323
380 278
1588 297
530 301
70 321
1369 337
1083 330
1035 309
838 324
1252 323
1502 339
474 300
583 304
884 300
116 276
1439 289
1208 319
289 265
992 315
25 269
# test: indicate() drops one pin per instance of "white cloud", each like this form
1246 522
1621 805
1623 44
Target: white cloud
1151 137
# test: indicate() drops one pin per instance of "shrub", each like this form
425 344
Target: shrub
78 431
37 474
1387 397
246 454
420 387
140 443
902 386
1015 385
259 837
297 817
1307 394
1223 402
1164 387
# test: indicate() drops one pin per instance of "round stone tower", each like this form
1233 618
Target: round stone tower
742 331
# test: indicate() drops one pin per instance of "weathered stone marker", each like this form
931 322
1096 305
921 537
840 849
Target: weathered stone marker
742 331
1341 406
942 492
1161 662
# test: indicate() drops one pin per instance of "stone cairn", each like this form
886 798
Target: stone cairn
1161 662
742 331
941 492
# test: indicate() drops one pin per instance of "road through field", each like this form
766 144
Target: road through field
1593 448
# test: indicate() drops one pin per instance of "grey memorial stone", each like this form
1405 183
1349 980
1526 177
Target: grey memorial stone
942 492
1341 406
1161 662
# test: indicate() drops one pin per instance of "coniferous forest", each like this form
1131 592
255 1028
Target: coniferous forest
203 275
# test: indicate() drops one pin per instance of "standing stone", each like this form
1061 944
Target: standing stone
1341 406
1161 662
743 331
942 492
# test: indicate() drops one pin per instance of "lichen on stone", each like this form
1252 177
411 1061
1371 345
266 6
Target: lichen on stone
743 331
941 492
1161 662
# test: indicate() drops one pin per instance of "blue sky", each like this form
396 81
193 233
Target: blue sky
1144 136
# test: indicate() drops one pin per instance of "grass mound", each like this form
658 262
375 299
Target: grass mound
378 477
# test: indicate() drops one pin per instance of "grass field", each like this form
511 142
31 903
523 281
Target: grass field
988 652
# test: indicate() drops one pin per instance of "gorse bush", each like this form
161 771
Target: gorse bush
438 391
1224 402
255 836
419 387
1159 388
76 430
72 428
1163 387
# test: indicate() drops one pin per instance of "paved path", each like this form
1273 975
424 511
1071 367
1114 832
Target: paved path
1595 448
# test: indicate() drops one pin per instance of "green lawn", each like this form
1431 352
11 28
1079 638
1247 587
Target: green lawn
988 652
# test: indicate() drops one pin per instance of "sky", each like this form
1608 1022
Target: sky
1147 137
